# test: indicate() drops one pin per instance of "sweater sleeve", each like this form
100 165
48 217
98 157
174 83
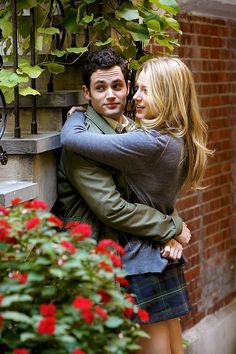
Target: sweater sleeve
116 150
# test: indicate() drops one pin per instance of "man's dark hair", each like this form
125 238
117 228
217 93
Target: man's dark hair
102 59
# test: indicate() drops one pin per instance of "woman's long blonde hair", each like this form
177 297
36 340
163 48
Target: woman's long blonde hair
173 103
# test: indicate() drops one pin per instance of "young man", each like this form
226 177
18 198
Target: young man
94 193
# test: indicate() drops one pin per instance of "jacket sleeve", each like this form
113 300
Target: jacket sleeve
117 150
98 189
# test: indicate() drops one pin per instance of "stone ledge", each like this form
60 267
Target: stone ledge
31 143
12 189
215 334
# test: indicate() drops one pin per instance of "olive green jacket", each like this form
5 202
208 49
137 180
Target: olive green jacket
93 193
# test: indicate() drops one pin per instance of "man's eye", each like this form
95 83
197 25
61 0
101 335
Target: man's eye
99 88
117 87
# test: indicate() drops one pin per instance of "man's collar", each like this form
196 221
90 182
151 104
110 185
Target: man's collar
116 125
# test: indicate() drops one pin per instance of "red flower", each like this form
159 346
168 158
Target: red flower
38 204
55 220
4 211
16 201
83 229
22 277
87 315
68 245
116 261
130 298
46 325
143 315
121 280
47 310
72 224
1 298
3 234
1 321
78 351
105 297
106 244
30 224
5 223
101 312
104 265
128 312
82 303
20 351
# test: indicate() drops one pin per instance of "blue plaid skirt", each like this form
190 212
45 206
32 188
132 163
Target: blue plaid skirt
163 295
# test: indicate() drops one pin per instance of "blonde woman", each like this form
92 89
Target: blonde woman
166 155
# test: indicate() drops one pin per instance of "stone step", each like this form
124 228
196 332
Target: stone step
12 189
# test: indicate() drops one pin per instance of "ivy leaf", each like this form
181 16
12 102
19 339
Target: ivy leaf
25 91
138 31
89 1
26 4
16 316
58 53
70 20
127 11
6 26
130 52
77 50
49 30
114 322
39 43
8 94
87 19
33 71
170 6
55 68
154 25
100 43
171 22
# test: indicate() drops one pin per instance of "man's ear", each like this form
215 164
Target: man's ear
128 86
86 93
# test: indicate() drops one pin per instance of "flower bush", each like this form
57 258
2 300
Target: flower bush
59 290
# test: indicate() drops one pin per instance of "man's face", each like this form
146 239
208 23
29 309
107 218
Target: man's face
108 92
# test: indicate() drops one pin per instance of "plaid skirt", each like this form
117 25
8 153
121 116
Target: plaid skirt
163 295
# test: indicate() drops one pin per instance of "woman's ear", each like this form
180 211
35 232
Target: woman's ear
86 93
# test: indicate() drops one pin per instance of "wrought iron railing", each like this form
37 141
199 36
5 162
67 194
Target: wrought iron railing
3 123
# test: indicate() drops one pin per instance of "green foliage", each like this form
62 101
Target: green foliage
125 25
57 287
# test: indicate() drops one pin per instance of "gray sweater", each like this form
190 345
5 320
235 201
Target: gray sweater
151 163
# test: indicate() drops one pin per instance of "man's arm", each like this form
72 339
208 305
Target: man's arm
98 189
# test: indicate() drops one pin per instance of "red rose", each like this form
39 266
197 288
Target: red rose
83 229
68 245
78 351
121 280
104 265
105 297
30 224
87 315
1 321
5 223
47 310
38 204
1 298
101 312
116 261
82 303
4 211
16 201
143 315
72 224
128 312
46 325
20 351
22 277
55 220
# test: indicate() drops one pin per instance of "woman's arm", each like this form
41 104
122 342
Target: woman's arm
116 150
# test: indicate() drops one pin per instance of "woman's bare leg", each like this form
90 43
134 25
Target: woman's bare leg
159 341
175 335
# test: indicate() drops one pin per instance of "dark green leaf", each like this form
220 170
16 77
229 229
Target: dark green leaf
127 11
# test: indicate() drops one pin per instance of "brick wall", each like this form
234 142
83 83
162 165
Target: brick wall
208 46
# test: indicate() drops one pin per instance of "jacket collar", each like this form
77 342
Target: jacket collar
99 121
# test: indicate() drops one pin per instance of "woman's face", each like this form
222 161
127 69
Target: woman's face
142 108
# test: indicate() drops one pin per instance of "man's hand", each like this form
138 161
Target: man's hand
185 236
172 250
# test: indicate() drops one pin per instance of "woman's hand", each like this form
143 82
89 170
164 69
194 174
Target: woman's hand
185 236
75 109
171 250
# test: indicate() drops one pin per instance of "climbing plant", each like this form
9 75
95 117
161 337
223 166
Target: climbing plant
65 30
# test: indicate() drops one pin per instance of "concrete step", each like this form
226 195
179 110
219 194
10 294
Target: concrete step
11 189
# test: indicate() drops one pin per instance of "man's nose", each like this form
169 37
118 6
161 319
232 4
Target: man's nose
110 92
